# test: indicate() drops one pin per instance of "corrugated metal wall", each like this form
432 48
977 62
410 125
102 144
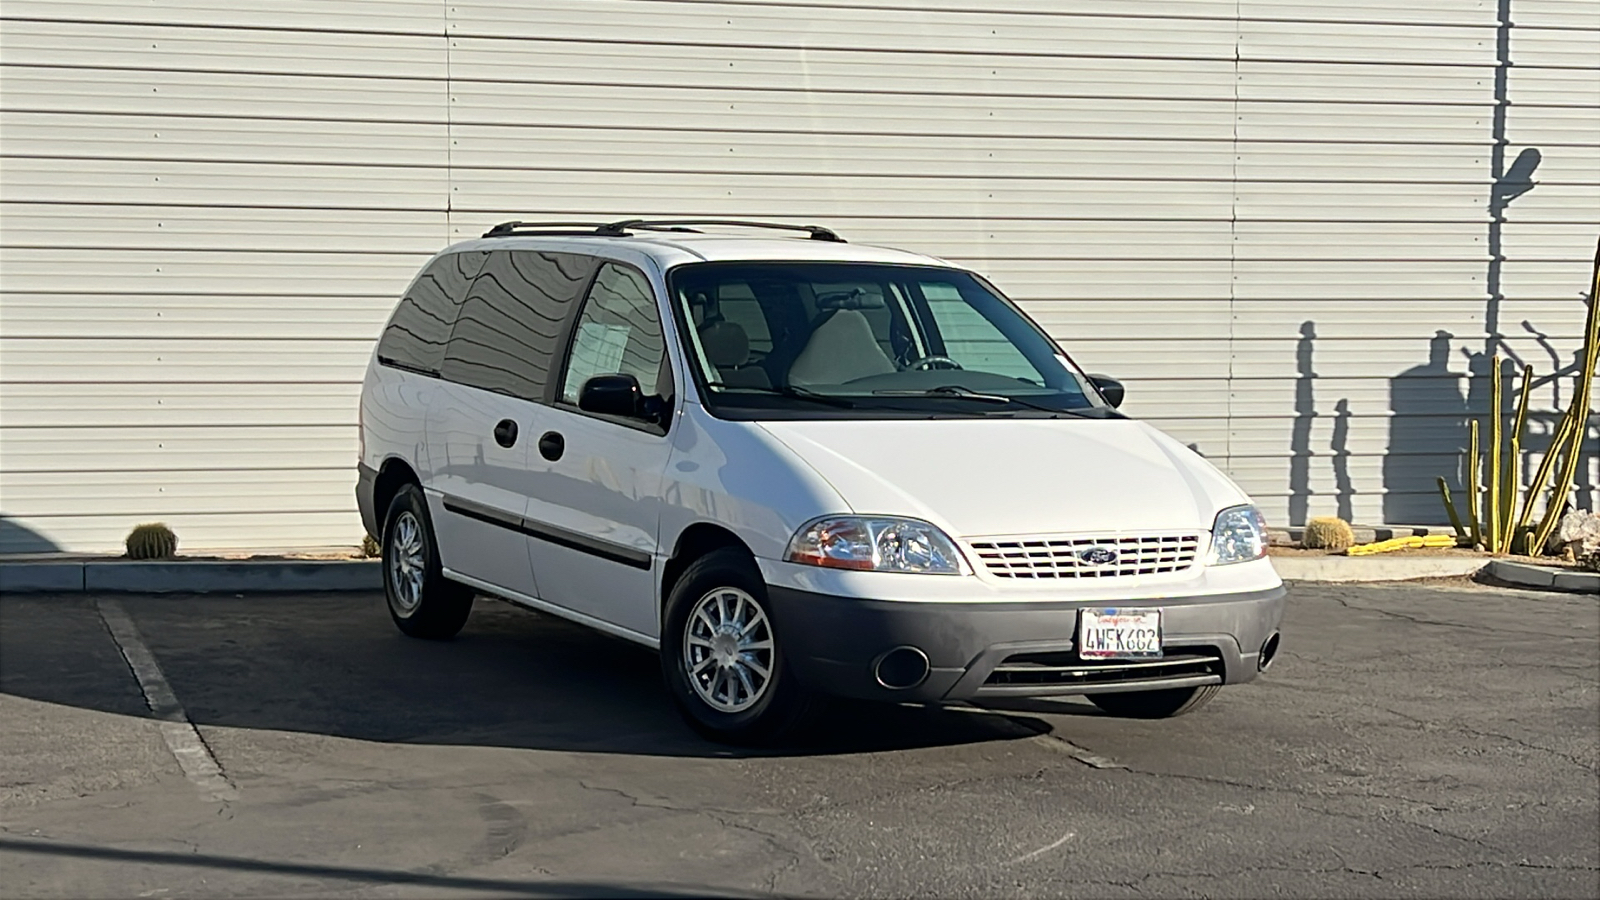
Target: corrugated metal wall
1278 220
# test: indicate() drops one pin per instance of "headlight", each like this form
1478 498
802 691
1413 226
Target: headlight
1239 535
875 544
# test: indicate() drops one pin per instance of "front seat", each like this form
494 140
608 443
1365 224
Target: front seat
727 347
842 347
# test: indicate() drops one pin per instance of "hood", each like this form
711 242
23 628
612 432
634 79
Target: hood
995 477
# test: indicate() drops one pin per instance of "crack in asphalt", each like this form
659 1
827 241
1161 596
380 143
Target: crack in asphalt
1299 792
1476 842
1271 789
1475 732
723 816
1476 629
673 807
1380 873
1531 746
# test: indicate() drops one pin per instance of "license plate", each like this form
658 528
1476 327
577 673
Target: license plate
1119 634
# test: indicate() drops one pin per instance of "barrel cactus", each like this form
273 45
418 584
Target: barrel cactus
153 540
1328 533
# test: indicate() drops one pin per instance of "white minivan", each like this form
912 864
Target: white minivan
799 468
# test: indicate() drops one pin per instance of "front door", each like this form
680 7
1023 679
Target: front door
596 482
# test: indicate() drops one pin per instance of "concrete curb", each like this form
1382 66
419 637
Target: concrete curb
1372 568
197 576
1548 577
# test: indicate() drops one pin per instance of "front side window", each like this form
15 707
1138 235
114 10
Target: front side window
855 339
511 321
618 333
416 334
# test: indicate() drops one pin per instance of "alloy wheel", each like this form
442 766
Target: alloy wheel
728 650
407 563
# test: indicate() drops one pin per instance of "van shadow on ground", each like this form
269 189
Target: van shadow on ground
334 664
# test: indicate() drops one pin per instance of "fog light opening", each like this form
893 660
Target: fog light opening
1268 651
901 668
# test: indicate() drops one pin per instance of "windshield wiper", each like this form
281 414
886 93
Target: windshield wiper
957 391
787 390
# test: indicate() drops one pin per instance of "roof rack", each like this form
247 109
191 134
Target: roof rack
817 232
624 227
506 229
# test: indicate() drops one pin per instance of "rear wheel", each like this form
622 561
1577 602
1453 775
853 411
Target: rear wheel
1156 704
422 602
722 658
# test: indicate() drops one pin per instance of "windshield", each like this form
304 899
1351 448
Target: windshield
829 339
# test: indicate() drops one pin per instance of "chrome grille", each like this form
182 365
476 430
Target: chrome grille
1135 554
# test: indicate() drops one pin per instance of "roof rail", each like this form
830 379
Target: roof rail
622 228
505 229
817 232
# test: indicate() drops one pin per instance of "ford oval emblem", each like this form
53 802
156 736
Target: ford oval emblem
1098 556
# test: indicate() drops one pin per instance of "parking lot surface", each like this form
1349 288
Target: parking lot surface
1409 741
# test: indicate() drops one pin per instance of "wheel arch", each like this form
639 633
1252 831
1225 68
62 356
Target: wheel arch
394 474
694 542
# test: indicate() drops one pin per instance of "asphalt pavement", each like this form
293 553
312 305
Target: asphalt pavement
1409 741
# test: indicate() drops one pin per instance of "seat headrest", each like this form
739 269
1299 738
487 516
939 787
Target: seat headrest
725 343
855 298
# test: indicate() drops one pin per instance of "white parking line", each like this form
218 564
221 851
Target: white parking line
185 743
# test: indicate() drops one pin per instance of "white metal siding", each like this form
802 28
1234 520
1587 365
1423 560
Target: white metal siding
209 209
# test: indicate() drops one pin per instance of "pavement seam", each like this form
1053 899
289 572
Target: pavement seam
183 740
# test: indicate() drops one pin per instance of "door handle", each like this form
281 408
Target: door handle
505 433
552 445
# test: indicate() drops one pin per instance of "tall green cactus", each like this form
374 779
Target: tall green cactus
1493 525
1576 421
1492 532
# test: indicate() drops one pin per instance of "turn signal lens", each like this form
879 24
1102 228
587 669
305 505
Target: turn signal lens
875 544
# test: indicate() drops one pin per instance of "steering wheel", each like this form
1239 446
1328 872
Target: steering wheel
928 363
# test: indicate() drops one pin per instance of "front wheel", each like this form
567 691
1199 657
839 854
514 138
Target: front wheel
721 656
1156 704
422 602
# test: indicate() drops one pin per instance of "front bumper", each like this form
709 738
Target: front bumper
990 650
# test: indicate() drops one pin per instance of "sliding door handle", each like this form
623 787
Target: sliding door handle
552 445
505 433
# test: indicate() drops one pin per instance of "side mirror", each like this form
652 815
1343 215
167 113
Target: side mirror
612 395
1110 388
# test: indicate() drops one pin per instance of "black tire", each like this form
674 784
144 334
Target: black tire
440 606
1156 704
782 705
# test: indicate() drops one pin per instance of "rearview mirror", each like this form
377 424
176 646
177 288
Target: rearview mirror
612 395
1110 388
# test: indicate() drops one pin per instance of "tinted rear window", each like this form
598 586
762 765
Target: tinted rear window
512 321
416 335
